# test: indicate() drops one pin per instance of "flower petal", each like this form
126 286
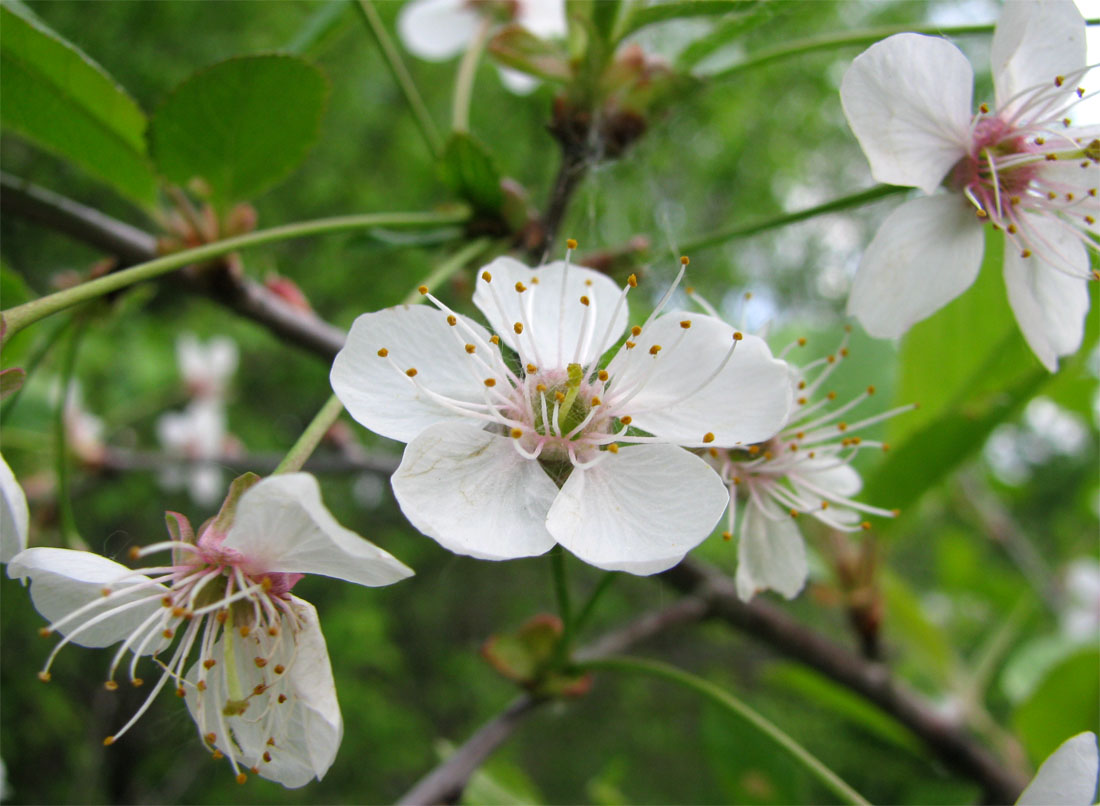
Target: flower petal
640 510
282 526
543 18
907 99
554 334
377 392
300 734
1050 306
829 473
14 517
770 556
1068 776
469 490
1034 42
517 82
437 30
63 581
926 253
681 397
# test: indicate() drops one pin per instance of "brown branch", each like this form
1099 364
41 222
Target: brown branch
132 245
945 738
446 782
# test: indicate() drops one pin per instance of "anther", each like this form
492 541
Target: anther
222 617
630 345
137 682
540 387
830 359
727 536
411 372
201 685
793 513
217 755
737 335
1026 253
167 633
267 756
802 401
241 778
422 289
824 504
984 109
279 668
452 320
656 348
1059 81
626 419
602 375
570 243
177 612
111 685
635 331
486 277
1080 92
490 382
181 693
470 349
532 369
685 260
843 352
273 631
517 433
255 770
518 327
166 601
245 630
595 401
45 632
495 339
259 689
260 662
584 300
870 390
559 397
865 525
211 738
632 281
802 341
209 663
831 395
282 698
383 352
520 287
613 448
713 452
708 437
108 741
685 324
135 553
842 426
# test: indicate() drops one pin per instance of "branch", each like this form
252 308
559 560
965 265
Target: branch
445 783
945 739
116 460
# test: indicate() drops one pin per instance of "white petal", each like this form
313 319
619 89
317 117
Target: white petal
926 253
748 401
14 516
556 322
376 391
470 491
1050 306
282 526
770 556
830 474
517 82
206 483
64 580
1034 42
640 510
907 100
544 18
1067 777
437 30
306 727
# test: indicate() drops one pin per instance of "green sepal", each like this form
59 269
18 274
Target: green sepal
224 519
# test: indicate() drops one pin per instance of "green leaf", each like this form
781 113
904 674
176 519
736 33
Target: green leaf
61 100
469 169
521 50
1065 704
729 31
643 16
240 125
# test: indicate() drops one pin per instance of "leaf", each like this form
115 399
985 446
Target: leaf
61 100
469 169
729 31
1066 703
521 50
11 381
679 9
240 125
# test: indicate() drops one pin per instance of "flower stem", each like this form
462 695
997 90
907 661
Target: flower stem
734 706
561 592
402 76
743 231
70 534
464 81
20 316
842 39
309 440
590 605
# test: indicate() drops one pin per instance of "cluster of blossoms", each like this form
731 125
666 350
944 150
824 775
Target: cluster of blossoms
1021 167
219 620
198 436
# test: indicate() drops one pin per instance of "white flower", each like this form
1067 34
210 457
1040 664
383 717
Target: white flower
804 470
1021 168
506 458
14 517
259 688
198 436
438 30
82 428
1080 616
206 368
1067 777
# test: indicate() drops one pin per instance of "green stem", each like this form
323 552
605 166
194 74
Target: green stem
20 316
854 200
41 350
734 706
447 268
70 534
590 605
309 440
866 36
464 81
561 592
402 76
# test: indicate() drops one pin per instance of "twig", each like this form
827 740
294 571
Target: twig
125 461
570 173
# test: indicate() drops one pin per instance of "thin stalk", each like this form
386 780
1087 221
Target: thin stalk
745 230
70 534
866 36
20 316
402 76
734 706
590 605
464 80
309 440
447 268
561 592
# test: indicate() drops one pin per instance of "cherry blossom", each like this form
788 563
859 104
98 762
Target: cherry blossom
1022 168
220 622
513 450
14 516
206 368
1068 776
198 437
439 30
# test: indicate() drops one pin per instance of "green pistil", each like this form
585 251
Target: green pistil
572 410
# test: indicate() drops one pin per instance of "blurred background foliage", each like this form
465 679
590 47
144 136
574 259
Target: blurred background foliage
996 474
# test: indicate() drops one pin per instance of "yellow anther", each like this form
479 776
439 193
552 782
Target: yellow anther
259 689
727 536
279 668
602 375
885 447
241 778
632 281
824 504
802 341
108 741
255 770
630 345
520 287
137 682
595 401
713 452
1011 229
111 685
708 437
411 372
656 348
517 433
422 289
540 387
167 633
245 630
793 513
282 699
865 525
178 612
685 324
201 685
588 283
534 280
518 327
685 260
135 553
793 446
984 108
44 677
1059 81
831 395
613 448
830 359
45 632
217 755
452 320
843 352
181 693
870 390
211 738
584 300
209 663
635 331
267 756
532 369
486 277
273 630
559 397
842 426
382 353
626 419
490 382
260 662
1080 92
802 401
570 243
222 616
470 349
737 335
754 450
495 339
1026 253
